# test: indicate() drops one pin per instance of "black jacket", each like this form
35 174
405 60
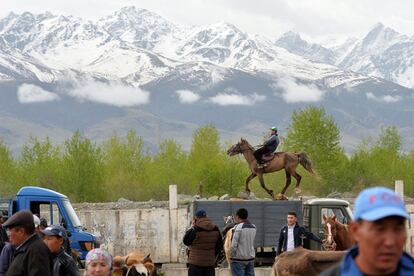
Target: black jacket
298 232
32 258
64 265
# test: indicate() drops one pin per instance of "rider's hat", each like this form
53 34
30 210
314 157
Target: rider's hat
274 128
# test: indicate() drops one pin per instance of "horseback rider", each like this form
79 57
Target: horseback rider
269 146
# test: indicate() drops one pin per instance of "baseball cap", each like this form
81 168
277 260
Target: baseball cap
200 213
377 203
55 230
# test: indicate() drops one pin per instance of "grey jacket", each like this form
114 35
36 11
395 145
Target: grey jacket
242 243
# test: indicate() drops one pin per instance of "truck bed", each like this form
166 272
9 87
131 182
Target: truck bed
268 216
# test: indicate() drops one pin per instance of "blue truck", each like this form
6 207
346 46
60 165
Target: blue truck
56 209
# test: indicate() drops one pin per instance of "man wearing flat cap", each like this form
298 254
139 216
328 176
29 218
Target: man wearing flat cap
205 243
32 257
380 233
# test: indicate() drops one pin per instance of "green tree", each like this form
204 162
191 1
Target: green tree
204 166
7 170
39 164
168 167
316 133
125 167
82 169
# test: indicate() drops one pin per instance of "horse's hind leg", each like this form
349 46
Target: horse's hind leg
288 180
250 177
298 178
270 192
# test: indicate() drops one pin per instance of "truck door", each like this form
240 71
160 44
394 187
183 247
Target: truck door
48 210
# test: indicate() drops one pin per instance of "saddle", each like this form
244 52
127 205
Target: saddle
266 158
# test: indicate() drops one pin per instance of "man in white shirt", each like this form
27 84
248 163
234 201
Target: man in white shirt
292 234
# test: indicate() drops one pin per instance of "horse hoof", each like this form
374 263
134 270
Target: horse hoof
281 197
298 191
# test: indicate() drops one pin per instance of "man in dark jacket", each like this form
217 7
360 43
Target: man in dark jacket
268 147
3 234
292 235
32 257
380 233
63 263
205 243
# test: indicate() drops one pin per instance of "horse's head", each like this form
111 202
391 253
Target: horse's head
330 231
240 147
138 265
228 220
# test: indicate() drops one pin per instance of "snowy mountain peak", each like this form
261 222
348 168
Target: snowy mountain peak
140 27
380 36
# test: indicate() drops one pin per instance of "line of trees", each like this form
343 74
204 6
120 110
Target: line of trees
121 166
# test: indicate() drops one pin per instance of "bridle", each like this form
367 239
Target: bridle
329 237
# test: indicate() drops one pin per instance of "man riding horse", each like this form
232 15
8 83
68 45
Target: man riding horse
269 146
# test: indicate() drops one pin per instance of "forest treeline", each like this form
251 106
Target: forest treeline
122 167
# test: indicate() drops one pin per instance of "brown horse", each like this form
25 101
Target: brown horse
304 262
282 160
337 235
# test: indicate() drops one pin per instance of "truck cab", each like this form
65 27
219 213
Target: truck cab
57 210
313 211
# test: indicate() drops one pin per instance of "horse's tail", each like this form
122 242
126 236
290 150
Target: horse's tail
307 163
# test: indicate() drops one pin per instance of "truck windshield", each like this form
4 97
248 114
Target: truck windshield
71 213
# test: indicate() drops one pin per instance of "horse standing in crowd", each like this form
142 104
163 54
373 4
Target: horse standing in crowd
281 160
227 234
337 235
304 262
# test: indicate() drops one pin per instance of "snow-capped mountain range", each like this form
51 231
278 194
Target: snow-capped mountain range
215 73
139 46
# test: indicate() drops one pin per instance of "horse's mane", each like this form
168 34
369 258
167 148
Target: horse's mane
244 141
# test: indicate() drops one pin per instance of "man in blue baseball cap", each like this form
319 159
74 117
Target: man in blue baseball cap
380 233
63 263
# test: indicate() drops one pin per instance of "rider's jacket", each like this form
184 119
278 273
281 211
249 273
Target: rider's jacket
272 143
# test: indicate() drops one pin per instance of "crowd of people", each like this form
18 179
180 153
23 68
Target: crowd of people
30 247
378 227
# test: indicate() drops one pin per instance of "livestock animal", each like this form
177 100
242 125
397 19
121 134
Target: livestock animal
281 160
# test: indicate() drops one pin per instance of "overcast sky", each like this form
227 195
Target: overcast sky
312 18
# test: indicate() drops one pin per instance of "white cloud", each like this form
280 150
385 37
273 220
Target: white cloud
187 96
386 98
293 92
110 93
236 99
29 93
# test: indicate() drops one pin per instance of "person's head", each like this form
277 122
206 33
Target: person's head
19 227
273 130
241 215
379 230
43 224
54 237
200 213
292 218
98 262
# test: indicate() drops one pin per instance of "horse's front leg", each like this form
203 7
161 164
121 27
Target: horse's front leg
270 192
250 177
